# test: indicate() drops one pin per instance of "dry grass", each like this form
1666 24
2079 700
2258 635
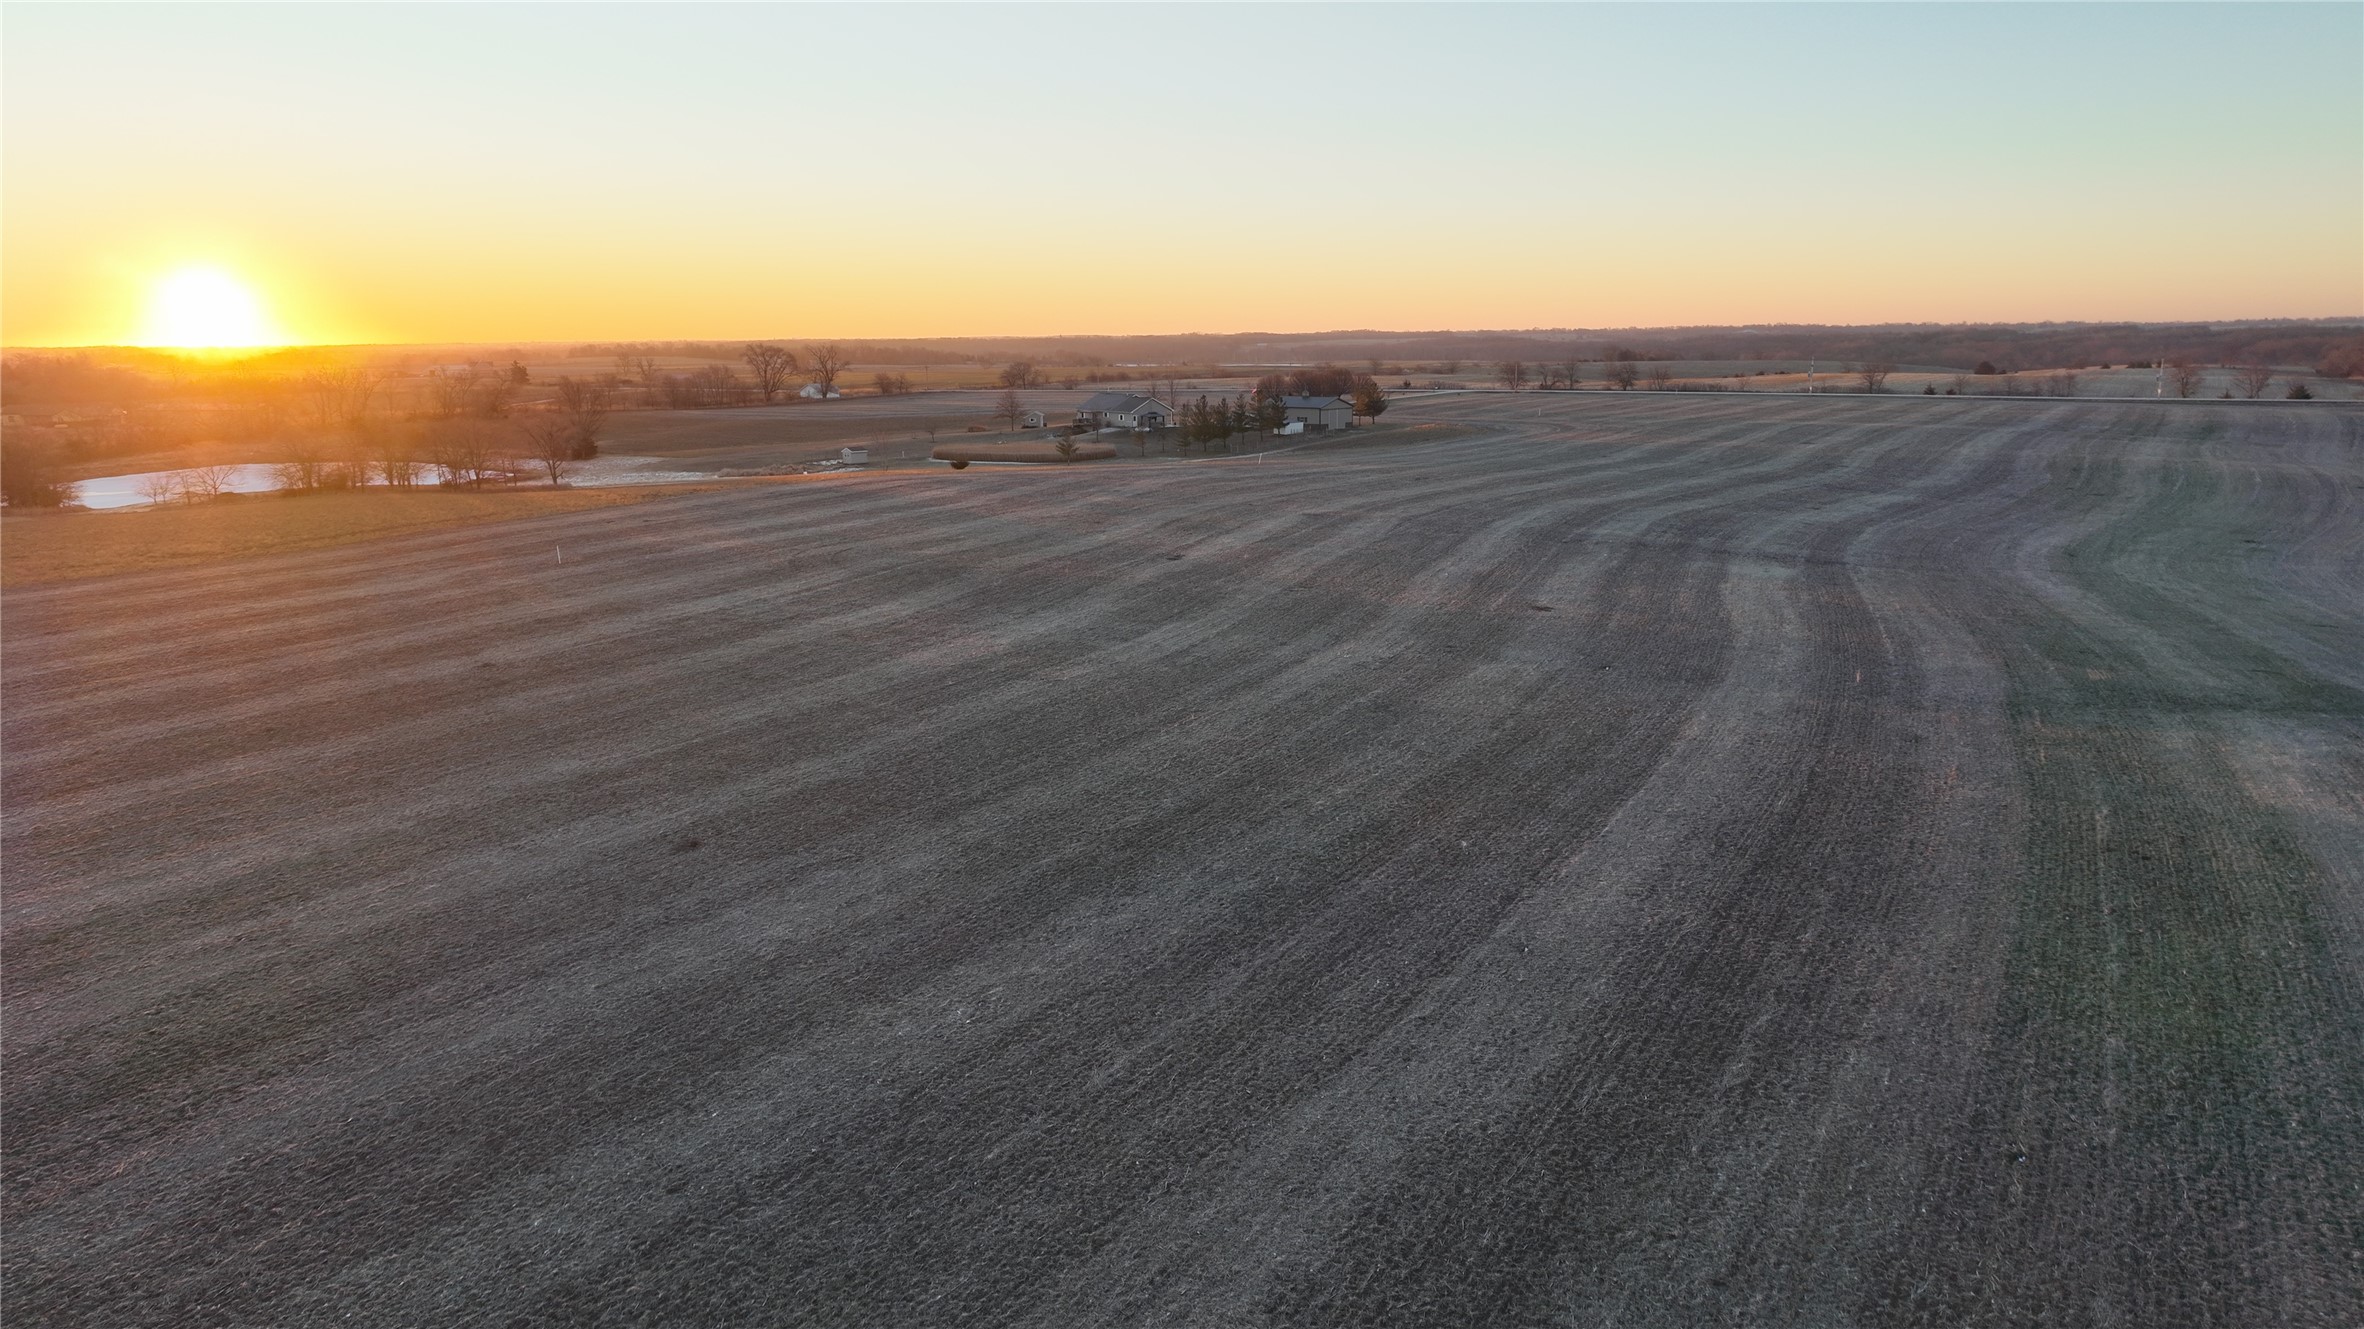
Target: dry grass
62 546
1021 452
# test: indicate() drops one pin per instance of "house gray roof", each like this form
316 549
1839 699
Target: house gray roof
1118 403
1315 403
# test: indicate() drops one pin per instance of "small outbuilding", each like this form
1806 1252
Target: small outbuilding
1320 412
1122 410
1030 420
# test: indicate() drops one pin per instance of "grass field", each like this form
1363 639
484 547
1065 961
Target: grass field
61 546
1650 860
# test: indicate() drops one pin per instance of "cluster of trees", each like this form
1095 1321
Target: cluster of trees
343 442
1264 409
31 475
1567 374
771 371
1323 380
2343 359
893 353
1211 423
1621 372
1364 390
1560 375
460 449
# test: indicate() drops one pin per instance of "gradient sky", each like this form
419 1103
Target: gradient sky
463 173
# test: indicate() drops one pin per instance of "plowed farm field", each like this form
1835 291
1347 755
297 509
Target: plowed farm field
1653 860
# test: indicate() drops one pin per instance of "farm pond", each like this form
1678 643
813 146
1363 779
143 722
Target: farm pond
139 489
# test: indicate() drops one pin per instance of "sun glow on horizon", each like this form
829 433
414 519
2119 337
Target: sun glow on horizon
207 309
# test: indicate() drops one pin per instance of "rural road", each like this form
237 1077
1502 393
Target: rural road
1663 861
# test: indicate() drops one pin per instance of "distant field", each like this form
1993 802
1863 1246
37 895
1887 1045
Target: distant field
58 546
1636 859
782 435
1083 450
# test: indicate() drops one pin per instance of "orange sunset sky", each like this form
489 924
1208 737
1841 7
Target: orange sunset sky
443 173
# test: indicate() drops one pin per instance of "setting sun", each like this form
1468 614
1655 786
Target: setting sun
204 308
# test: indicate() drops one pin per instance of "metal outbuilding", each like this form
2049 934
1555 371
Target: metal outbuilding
1320 412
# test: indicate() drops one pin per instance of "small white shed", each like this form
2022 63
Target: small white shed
854 456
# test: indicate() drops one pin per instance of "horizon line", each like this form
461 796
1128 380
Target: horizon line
232 352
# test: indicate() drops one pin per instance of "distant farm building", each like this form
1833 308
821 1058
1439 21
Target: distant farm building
1119 410
1030 420
813 392
1320 412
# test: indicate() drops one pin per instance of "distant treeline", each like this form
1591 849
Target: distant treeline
2329 347
173 395
2334 347
862 353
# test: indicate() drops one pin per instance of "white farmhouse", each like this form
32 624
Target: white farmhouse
1120 410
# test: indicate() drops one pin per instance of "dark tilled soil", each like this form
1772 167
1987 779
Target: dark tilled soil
1657 861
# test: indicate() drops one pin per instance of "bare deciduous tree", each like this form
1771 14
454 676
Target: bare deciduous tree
1008 409
1512 374
1660 378
469 393
161 487
584 404
891 385
773 366
338 397
1020 374
1874 374
395 464
211 481
305 465
825 363
651 381
1623 375
549 443
2253 380
2184 377
459 448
